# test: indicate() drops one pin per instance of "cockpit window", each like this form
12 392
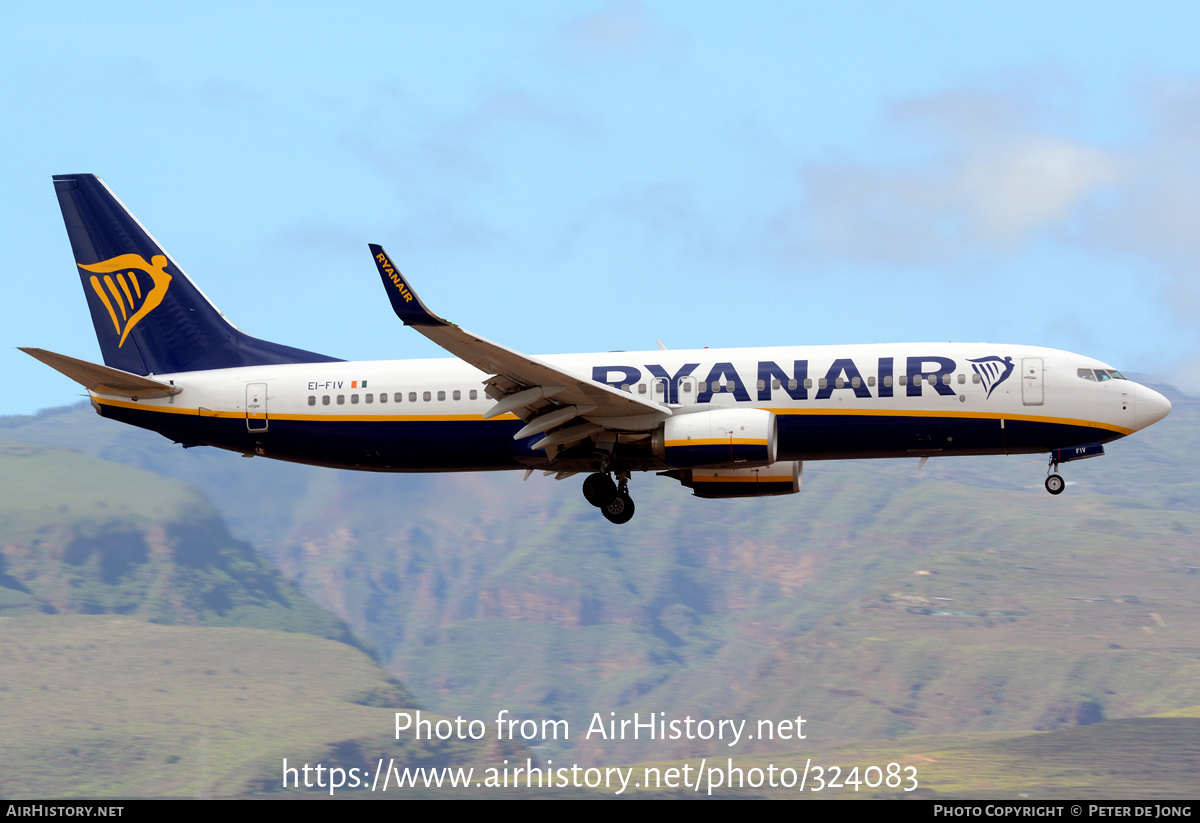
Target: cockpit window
1100 374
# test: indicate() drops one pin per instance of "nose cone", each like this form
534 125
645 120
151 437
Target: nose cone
1149 406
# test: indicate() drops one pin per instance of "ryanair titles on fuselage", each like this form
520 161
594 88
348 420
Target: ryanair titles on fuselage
842 375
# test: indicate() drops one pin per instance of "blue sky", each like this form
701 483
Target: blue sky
592 176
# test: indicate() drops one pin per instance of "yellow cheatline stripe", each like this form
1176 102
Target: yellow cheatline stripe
1066 421
716 441
1034 418
112 288
321 418
96 287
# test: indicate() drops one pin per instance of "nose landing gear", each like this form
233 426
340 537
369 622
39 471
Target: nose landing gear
1054 482
612 498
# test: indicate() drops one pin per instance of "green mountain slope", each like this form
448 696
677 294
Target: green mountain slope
109 706
83 535
884 601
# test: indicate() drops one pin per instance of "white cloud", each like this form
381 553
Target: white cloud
1026 183
987 178
1158 210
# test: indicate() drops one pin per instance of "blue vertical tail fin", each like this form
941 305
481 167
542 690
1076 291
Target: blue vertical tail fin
149 316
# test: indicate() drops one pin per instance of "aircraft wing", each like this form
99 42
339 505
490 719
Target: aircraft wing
521 384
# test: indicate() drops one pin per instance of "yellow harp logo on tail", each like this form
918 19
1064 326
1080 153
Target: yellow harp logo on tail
130 288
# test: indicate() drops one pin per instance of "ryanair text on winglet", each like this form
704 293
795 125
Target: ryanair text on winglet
394 275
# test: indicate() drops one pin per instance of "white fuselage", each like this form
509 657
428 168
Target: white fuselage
876 400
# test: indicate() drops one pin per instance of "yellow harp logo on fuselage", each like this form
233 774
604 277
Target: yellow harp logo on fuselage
130 288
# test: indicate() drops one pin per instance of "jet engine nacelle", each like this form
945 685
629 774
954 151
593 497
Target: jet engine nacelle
717 439
778 478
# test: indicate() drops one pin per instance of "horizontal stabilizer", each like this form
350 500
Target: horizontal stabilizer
103 379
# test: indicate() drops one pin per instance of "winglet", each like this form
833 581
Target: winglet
405 303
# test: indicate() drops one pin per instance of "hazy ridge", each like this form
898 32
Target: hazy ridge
883 602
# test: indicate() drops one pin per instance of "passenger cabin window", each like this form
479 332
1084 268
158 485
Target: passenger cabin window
871 381
312 400
426 396
370 398
398 396
412 397
441 395
457 394
354 399
324 400
474 394
887 380
341 400
792 384
383 397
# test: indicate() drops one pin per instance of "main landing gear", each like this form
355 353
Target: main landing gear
611 497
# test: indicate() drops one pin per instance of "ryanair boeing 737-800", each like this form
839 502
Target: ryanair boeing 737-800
723 422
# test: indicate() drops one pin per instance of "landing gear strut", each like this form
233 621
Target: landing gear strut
1054 482
611 497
